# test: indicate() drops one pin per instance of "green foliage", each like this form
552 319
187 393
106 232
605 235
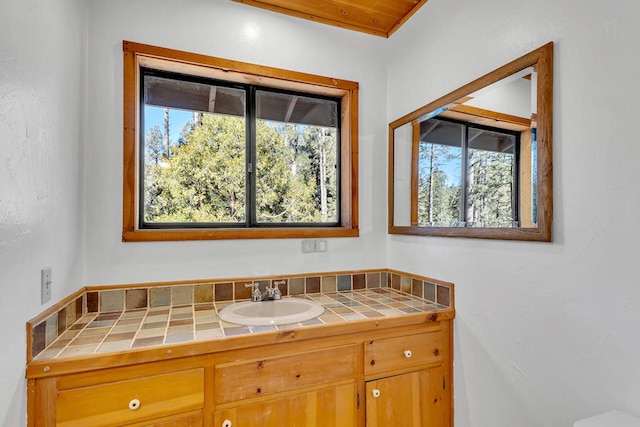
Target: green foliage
205 179
490 189
438 201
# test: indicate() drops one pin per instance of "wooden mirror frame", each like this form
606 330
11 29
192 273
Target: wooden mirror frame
542 59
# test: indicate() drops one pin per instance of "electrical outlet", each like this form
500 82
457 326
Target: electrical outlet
45 285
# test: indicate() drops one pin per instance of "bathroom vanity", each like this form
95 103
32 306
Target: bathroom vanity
376 356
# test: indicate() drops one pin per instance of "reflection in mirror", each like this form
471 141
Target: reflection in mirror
477 162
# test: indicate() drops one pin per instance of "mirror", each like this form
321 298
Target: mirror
478 161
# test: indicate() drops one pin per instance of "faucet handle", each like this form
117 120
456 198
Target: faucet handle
276 284
255 294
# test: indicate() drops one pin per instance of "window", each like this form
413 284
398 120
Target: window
216 149
467 175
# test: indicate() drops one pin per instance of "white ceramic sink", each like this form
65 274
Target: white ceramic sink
276 312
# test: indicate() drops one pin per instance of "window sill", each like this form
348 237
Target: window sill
234 233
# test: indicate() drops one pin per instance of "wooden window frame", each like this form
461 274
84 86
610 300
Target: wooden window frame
138 55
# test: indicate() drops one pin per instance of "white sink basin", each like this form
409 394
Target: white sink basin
277 312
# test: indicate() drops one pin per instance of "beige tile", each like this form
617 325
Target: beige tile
160 296
296 286
173 330
147 342
111 301
125 328
177 338
78 350
150 333
328 284
48 354
405 284
51 329
209 334
182 295
181 310
108 347
94 332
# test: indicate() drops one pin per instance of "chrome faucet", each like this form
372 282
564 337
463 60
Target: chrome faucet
272 292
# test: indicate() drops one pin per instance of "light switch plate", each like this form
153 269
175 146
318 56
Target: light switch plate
321 245
45 285
308 246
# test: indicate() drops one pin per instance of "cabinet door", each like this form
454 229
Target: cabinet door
330 407
409 400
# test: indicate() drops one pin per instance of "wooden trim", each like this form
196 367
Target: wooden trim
356 16
130 157
390 179
136 54
544 136
239 233
230 68
415 164
542 58
493 115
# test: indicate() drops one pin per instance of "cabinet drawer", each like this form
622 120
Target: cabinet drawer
402 352
329 407
129 401
261 377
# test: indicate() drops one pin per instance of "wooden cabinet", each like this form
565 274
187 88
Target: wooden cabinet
373 373
407 381
414 399
329 407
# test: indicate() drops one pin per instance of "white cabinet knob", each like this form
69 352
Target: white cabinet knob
134 404
408 354
376 393
226 423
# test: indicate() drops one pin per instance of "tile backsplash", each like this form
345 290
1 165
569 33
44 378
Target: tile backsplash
50 326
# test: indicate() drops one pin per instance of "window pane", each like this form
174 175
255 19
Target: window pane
296 159
194 153
439 173
490 178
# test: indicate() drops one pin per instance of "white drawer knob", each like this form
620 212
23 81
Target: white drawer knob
134 404
376 393
408 354
226 423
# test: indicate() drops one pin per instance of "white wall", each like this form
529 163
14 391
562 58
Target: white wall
41 95
545 333
224 29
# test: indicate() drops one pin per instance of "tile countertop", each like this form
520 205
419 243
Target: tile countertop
101 333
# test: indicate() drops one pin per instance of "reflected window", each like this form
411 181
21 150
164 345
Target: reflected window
466 175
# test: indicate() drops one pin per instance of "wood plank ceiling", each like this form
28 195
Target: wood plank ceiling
378 17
